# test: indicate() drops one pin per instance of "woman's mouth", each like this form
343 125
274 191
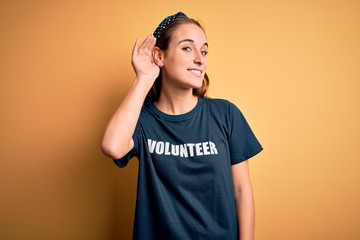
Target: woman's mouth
196 71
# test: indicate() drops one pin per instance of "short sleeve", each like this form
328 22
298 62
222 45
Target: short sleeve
243 143
122 162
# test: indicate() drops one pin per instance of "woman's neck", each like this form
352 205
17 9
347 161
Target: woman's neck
176 103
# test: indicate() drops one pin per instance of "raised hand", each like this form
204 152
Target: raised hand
142 59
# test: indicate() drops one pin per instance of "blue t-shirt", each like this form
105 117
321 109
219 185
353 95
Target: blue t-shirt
185 188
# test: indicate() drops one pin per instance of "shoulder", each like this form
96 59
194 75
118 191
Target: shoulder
225 111
147 112
222 105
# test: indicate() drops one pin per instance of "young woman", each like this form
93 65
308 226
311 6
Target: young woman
193 178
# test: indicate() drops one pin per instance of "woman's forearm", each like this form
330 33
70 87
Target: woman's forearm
244 199
245 208
117 139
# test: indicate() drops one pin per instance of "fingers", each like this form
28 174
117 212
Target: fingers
152 41
146 46
136 47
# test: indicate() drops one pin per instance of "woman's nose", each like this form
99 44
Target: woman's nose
199 58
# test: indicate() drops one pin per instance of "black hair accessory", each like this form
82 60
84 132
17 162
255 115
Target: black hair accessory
166 22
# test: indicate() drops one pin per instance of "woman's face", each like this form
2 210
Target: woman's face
185 61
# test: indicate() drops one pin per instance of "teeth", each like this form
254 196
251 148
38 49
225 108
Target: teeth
195 71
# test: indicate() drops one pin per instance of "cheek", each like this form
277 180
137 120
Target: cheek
174 61
206 64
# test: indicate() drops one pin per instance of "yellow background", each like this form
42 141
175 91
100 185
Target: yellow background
292 67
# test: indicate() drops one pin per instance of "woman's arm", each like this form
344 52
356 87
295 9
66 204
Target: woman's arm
244 199
117 139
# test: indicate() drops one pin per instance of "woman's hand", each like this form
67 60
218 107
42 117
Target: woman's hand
142 59
117 139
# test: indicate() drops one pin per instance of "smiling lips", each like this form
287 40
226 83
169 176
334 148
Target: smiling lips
196 71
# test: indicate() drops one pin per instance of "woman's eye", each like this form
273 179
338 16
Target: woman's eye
204 53
187 49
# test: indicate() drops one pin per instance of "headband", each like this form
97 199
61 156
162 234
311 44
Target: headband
166 22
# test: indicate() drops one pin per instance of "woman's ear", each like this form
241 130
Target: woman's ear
158 56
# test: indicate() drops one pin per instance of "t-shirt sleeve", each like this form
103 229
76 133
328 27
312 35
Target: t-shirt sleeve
122 162
243 142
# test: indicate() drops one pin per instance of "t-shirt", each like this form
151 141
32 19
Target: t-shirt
185 188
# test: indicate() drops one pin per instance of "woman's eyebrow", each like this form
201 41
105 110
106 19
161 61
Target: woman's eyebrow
192 41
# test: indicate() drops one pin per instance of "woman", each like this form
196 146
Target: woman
193 173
